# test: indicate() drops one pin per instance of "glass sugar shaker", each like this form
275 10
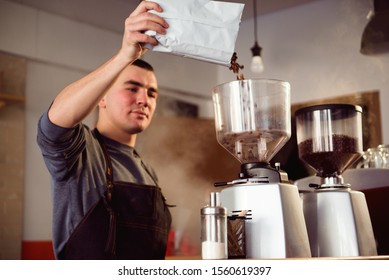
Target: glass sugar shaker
214 229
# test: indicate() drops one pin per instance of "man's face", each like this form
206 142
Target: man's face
130 102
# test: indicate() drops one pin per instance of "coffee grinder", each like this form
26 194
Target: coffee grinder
329 140
252 120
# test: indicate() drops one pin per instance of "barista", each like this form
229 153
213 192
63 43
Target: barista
106 200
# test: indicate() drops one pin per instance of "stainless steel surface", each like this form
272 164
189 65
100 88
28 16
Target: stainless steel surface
277 228
214 229
214 219
338 223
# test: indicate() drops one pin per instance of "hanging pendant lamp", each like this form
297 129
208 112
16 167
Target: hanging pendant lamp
256 61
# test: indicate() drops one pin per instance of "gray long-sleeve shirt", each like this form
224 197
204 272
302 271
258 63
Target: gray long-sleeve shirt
77 166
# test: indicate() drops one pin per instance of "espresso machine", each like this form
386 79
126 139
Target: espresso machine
329 140
252 120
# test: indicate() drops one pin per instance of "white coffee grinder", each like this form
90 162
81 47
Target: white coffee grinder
329 139
252 119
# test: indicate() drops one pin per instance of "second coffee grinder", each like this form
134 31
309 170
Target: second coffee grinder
329 140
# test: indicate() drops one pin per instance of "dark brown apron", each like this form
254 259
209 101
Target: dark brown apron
130 221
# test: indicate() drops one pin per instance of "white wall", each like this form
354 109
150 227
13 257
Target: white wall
314 46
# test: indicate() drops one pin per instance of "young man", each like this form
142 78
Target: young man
106 200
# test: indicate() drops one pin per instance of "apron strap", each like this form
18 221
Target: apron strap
109 171
111 242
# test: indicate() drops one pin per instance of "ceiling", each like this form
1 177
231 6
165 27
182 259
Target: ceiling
266 6
110 14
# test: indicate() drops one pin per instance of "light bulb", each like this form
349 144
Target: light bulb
256 64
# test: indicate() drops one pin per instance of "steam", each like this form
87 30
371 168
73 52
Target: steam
188 160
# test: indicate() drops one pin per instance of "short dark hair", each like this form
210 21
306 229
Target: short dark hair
143 64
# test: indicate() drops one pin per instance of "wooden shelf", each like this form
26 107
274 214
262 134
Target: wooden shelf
11 98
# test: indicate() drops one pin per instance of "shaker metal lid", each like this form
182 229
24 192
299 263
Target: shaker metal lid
218 210
214 207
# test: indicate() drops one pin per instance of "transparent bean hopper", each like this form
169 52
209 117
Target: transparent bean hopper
329 140
252 120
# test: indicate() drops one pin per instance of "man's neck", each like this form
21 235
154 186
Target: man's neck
117 135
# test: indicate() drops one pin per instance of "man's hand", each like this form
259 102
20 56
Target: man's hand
139 21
